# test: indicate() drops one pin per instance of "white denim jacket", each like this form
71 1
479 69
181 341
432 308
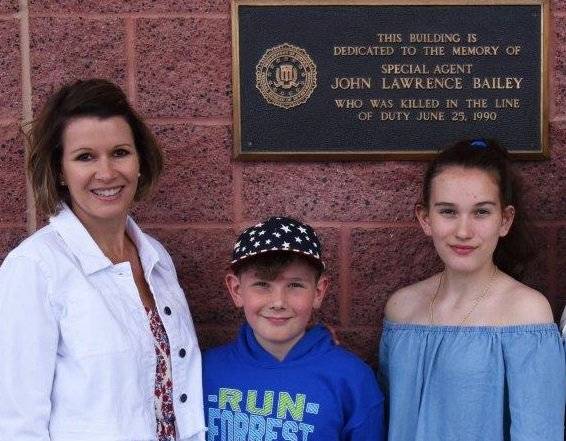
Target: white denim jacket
77 357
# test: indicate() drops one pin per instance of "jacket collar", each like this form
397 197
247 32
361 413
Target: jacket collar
86 251
149 256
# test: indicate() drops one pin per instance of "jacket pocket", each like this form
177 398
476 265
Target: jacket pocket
94 324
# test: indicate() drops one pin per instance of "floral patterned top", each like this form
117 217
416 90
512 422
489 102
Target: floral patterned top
164 413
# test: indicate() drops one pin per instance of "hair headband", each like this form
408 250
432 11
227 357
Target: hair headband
479 143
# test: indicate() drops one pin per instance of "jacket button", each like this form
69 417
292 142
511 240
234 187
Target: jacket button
167 310
182 353
183 398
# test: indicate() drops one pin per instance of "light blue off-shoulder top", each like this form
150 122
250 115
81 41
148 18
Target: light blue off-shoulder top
476 383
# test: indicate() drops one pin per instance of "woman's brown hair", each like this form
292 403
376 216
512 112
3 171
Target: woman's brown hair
95 98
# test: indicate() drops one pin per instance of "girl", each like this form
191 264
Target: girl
471 353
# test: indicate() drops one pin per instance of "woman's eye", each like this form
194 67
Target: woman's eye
84 157
261 284
121 152
296 285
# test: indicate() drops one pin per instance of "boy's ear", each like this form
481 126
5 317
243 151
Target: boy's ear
320 291
423 217
233 284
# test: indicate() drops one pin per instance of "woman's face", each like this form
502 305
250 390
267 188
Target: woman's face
100 167
465 218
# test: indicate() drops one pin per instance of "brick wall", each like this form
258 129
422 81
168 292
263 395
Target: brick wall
173 59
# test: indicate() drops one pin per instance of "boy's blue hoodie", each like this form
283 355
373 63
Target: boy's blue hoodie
319 392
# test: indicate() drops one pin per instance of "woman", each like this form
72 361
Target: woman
96 338
471 353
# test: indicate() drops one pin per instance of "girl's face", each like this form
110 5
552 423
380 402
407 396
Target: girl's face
465 218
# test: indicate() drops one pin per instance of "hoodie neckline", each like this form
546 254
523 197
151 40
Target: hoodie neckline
315 341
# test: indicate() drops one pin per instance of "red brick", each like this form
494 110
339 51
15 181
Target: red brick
559 25
560 296
10 70
66 49
12 176
558 93
537 272
333 191
202 258
197 181
558 6
210 336
183 67
545 181
559 65
384 260
8 6
9 239
362 341
329 239
113 6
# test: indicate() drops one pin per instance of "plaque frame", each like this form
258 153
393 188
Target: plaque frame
353 155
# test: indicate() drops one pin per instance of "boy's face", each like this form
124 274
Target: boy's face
278 310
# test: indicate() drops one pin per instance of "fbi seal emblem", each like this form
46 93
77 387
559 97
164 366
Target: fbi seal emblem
286 76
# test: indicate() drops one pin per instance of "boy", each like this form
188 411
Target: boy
280 380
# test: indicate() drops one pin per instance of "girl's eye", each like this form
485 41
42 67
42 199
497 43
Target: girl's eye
482 212
260 284
296 285
447 211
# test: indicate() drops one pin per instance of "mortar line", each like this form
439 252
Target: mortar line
552 254
134 15
130 25
27 106
197 121
187 226
237 188
345 292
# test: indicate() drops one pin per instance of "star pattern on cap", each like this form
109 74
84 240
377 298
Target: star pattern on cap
277 234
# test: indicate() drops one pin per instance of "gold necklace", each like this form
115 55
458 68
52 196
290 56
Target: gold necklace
477 300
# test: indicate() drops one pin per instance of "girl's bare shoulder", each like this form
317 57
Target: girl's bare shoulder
408 303
518 304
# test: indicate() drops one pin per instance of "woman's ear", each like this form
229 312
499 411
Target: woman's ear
423 217
233 284
507 216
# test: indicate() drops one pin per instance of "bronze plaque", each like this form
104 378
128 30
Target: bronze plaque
387 79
